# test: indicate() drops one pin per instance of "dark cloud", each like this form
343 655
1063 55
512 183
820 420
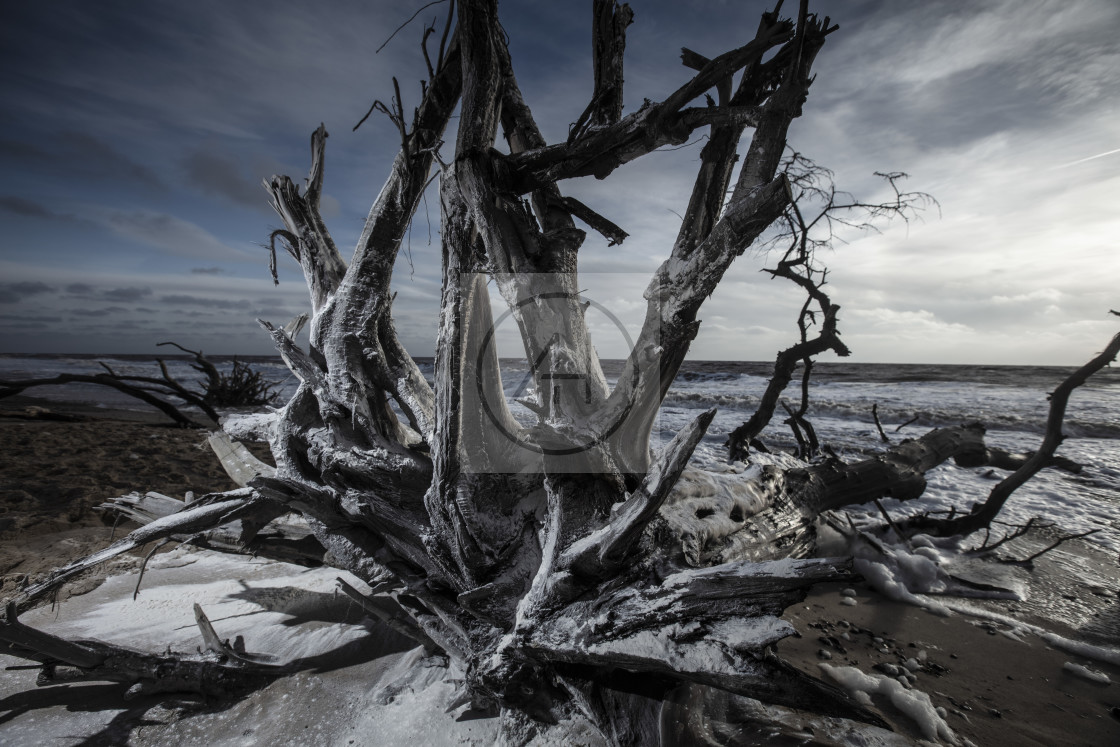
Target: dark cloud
27 318
16 292
20 206
105 311
31 209
96 157
12 149
207 270
77 153
30 288
213 303
221 175
28 325
126 294
79 289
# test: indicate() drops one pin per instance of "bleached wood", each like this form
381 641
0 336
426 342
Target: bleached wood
239 464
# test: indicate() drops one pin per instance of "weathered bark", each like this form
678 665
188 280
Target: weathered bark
608 36
262 533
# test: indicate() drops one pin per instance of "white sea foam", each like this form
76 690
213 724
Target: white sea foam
914 703
1087 673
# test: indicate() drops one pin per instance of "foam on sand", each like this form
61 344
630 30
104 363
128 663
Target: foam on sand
914 703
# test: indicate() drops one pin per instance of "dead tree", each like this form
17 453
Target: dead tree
557 562
816 211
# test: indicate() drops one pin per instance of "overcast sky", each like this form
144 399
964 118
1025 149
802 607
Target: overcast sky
134 136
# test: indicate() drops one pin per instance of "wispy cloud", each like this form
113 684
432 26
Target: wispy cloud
170 234
126 294
1091 158
211 303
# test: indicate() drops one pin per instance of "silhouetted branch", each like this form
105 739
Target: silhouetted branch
983 514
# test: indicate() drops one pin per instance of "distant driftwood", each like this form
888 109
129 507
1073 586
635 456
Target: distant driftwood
241 387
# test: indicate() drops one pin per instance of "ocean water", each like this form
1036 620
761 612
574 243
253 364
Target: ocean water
1010 400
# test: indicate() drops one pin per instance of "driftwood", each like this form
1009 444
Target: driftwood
215 670
567 569
1026 466
269 533
130 385
242 386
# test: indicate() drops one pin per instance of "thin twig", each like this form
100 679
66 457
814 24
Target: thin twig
1040 553
878 425
666 149
144 565
360 122
890 521
1015 534
113 533
428 31
410 20
911 421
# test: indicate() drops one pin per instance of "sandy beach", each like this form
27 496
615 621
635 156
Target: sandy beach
60 462
989 682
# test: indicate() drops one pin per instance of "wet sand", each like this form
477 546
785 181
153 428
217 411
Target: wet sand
995 690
